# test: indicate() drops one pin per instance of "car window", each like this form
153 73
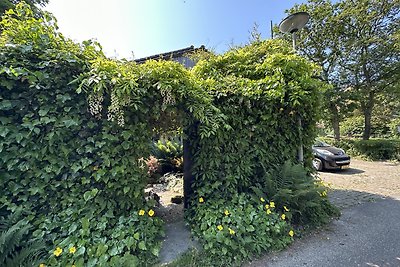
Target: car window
319 143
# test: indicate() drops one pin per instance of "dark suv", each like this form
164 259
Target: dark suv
329 157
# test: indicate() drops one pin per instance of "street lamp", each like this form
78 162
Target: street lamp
292 24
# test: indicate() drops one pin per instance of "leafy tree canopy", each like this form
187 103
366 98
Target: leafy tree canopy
356 43
9 4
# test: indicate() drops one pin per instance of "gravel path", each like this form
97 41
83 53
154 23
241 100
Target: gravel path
377 177
367 233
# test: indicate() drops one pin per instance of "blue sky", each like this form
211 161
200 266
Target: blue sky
148 27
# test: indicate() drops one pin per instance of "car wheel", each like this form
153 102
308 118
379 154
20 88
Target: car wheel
317 164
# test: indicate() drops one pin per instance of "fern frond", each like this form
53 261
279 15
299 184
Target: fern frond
11 239
30 255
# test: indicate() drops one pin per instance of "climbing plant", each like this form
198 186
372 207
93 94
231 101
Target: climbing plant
243 203
76 127
262 89
76 176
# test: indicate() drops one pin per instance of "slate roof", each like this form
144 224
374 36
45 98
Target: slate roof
172 54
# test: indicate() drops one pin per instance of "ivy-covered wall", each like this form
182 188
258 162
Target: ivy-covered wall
262 89
75 127
77 178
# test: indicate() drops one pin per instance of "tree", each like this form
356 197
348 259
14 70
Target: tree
371 56
8 4
355 43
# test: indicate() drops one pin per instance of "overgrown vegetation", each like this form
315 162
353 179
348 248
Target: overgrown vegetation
354 127
373 149
17 246
356 44
77 177
262 89
76 129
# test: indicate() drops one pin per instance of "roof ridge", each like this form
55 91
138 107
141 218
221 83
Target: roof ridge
171 54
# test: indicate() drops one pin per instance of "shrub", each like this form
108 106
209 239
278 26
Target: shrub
77 176
262 90
17 246
373 149
153 169
239 228
169 153
394 128
354 127
293 186
131 240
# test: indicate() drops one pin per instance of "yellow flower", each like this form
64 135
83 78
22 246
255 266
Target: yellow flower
286 209
42 265
266 206
268 211
141 212
220 227
291 233
57 252
226 212
272 204
201 200
283 216
151 213
72 250
73 265
262 199
231 231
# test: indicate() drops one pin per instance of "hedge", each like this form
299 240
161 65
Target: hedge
372 149
75 128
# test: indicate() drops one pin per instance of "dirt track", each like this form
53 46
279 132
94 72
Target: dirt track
378 177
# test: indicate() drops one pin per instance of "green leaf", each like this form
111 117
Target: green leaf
81 250
126 145
155 251
5 105
85 224
250 228
70 122
126 189
101 250
136 236
142 245
43 112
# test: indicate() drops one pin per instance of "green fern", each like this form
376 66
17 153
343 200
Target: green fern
292 186
17 248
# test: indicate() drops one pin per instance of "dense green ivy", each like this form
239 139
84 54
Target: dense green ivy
75 128
262 89
77 177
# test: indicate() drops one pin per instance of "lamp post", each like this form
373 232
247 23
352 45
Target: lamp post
292 24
